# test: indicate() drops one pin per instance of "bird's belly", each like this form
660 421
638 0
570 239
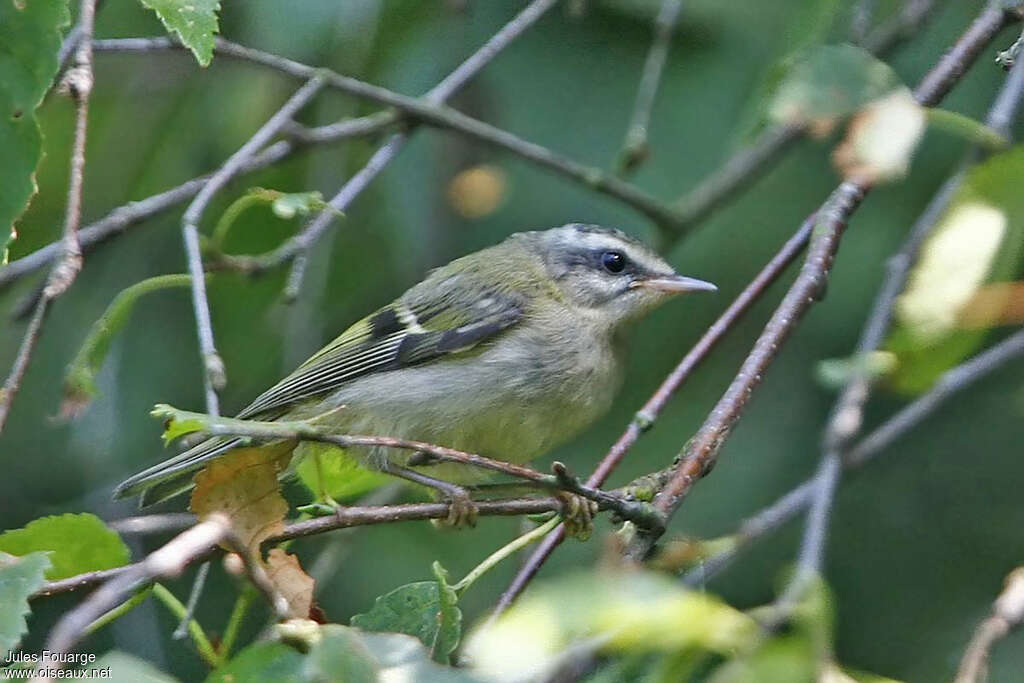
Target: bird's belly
487 407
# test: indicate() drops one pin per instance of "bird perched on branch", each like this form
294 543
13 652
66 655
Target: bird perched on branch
506 352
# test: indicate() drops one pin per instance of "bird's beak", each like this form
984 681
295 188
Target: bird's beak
675 284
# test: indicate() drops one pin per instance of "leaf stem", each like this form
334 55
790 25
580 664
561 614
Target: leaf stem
508 549
178 609
118 612
242 604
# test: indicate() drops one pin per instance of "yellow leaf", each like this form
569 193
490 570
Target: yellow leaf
292 582
244 486
881 139
953 266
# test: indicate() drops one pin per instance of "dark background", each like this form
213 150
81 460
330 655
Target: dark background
921 540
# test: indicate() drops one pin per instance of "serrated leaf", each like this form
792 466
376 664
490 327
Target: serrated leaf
244 487
29 40
20 577
828 82
427 610
326 469
126 668
264 661
76 543
194 22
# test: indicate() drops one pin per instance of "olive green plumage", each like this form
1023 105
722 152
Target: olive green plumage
505 352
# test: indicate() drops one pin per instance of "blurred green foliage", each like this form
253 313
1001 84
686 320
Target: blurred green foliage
920 542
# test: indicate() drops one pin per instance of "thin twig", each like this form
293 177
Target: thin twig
423 110
168 561
561 480
701 452
635 148
344 518
774 516
646 416
78 82
1007 615
214 376
847 415
28 344
193 601
748 164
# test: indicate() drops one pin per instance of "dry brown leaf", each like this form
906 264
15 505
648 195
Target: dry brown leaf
291 581
244 487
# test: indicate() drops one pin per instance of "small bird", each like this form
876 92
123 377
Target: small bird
506 352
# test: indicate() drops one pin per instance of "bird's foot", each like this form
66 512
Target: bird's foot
577 514
462 510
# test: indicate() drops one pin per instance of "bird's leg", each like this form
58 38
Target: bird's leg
577 514
462 511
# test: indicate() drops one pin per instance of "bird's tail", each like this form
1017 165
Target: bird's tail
173 476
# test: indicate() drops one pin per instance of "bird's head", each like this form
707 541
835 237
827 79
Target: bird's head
609 272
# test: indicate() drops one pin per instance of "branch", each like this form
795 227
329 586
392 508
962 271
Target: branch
646 416
423 110
213 375
875 443
701 452
343 518
294 249
78 81
561 480
747 165
847 415
1007 615
635 148
168 561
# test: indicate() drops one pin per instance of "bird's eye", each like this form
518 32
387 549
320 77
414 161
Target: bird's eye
613 261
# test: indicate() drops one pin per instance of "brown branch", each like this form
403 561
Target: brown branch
650 411
344 518
423 110
847 414
78 82
952 382
743 168
1007 615
701 452
168 561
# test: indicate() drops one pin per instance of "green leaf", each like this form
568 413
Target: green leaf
80 377
76 543
623 612
179 423
967 128
341 655
831 81
427 610
807 29
327 469
29 40
265 661
195 22
978 241
20 577
126 668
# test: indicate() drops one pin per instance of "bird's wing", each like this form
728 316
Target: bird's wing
449 316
